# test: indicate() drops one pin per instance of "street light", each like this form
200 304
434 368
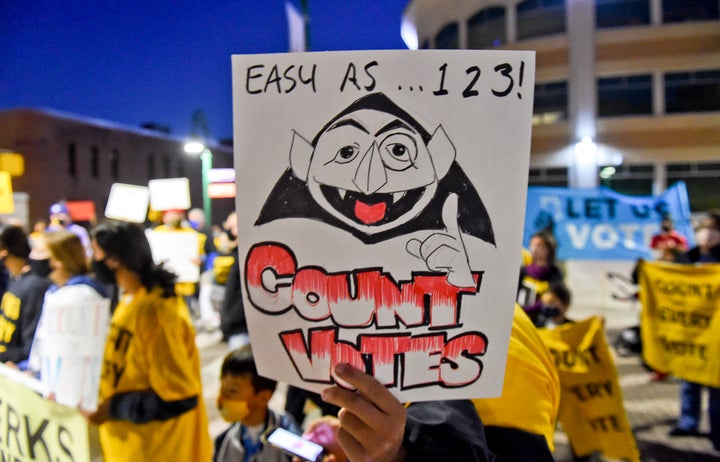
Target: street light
206 160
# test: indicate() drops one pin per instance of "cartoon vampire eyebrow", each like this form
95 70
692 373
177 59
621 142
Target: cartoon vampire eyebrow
374 171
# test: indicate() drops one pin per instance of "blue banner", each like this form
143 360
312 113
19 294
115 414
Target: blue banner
600 224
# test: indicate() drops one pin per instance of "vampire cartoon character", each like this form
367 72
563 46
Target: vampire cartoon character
376 172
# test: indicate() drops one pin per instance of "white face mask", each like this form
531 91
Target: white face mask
707 237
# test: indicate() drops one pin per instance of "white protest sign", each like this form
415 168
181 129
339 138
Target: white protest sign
128 202
169 194
179 252
69 344
381 200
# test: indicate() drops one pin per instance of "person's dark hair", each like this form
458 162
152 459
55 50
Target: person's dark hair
15 241
550 243
127 243
241 362
714 216
561 291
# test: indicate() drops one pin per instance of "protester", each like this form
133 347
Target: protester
60 219
151 405
209 318
173 223
374 425
554 305
243 401
523 432
541 272
39 254
232 314
22 302
668 243
83 305
196 219
707 251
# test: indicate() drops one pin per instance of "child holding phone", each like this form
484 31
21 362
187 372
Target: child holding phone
243 401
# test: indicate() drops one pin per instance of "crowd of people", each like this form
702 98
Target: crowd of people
150 405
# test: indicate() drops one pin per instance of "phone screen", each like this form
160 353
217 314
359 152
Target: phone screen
294 444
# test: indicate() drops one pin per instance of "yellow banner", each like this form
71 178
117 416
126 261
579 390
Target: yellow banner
591 405
35 429
680 320
7 204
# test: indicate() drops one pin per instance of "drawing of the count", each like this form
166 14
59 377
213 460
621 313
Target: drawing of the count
373 170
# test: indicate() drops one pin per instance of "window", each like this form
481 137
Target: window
633 180
72 160
94 162
536 18
553 176
166 166
487 28
697 91
630 95
550 103
620 13
701 180
448 38
151 166
114 164
690 10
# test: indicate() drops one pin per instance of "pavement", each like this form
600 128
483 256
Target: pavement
652 407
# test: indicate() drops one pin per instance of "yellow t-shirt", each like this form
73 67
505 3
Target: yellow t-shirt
151 345
530 397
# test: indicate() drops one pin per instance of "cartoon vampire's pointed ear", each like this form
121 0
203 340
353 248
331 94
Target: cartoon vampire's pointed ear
301 151
442 151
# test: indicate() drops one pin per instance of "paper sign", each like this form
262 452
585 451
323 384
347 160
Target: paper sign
178 251
382 197
128 202
7 205
69 344
170 194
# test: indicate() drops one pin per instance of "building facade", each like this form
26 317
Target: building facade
627 92
68 157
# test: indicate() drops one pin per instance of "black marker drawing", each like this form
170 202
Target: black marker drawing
376 172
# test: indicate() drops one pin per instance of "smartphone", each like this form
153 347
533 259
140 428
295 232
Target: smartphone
295 445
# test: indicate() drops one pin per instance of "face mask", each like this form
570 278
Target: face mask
103 273
550 311
233 410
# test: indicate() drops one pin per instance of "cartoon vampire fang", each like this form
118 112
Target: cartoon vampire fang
375 172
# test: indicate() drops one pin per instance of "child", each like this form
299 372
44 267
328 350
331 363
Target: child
554 303
243 401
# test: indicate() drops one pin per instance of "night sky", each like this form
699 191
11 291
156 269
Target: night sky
141 61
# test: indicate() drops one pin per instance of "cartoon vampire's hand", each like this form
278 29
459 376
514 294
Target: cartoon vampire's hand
445 251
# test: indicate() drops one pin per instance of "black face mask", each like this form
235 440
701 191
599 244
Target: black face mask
41 267
103 273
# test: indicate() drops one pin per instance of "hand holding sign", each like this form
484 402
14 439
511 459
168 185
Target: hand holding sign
446 251
372 420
